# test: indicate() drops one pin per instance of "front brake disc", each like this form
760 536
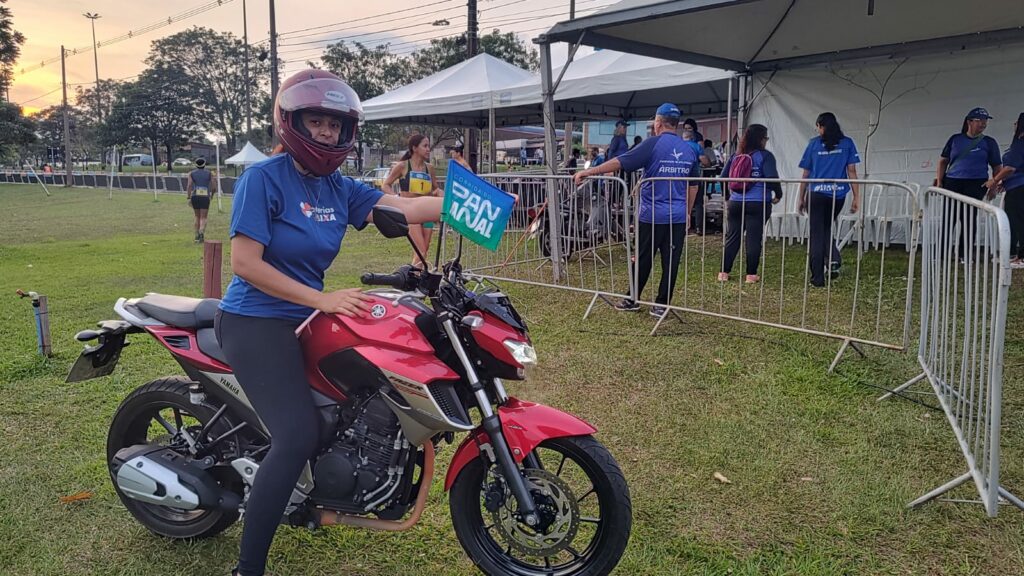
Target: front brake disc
556 503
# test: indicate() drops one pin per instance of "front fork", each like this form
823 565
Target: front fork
492 425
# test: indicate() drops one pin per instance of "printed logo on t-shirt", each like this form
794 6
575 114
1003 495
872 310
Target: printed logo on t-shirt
317 213
676 154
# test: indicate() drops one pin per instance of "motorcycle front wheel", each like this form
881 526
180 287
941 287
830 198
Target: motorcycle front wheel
581 496
155 413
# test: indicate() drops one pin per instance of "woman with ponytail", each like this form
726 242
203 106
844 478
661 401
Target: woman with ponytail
415 178
830 155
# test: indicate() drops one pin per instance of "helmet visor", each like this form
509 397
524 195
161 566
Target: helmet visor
326 93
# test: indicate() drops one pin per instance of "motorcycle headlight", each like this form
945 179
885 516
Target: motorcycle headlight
522 353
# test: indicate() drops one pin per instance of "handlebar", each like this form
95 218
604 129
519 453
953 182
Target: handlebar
398 280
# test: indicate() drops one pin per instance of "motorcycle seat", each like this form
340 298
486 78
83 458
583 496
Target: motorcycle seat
180 311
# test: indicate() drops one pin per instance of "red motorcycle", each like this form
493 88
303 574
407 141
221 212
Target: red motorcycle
532 492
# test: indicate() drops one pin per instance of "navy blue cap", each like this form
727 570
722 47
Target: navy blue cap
978 113
668 110
621 123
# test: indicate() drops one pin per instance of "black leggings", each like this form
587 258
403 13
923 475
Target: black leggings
1014 206
822 212
972 188
749 217
668 240
267 360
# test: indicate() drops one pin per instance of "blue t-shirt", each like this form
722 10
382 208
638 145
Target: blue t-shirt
822 163
762 166
664 156
300 221
972 164
617 147
1014 158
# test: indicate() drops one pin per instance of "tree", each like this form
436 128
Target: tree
10 46
212 70
150 110
85 98
447 52
17 132
85 118
370 72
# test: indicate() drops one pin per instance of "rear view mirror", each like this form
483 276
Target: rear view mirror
390 221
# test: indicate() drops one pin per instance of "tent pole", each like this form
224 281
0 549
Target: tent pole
548 94
220 206
567 145
742 109
491 135
728 120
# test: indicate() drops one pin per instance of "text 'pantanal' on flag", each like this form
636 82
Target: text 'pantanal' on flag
474 207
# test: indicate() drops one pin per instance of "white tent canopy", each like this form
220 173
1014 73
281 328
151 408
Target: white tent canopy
602 85
457 96
609 84
757 35
246 156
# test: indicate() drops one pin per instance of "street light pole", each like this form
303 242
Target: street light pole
273 64
67 122
248 104
96 62
471 50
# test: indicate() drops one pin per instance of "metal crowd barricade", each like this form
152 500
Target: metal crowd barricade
868 303
591 229
136 181
964 290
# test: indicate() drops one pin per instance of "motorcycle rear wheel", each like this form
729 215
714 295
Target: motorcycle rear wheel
150 415
603 513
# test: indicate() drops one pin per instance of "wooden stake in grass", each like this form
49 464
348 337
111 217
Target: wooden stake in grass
212 252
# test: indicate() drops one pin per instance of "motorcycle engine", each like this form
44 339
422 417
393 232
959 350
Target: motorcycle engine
354 471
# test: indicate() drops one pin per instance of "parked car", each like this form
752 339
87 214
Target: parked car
137 160
182 162
376 176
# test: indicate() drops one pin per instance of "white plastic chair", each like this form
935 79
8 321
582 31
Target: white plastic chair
788 219
867 217
884 222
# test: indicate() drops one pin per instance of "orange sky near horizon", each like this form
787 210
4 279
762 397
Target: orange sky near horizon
47 24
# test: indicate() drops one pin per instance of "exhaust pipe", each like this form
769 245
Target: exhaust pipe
161 476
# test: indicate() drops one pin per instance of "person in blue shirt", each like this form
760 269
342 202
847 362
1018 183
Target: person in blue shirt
749 210
1011 178
695 140
288 219
966 158
618 146
964 167
661 216
829 155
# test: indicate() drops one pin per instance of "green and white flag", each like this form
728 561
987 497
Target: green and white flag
474 207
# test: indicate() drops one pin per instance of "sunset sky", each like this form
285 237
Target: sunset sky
47 24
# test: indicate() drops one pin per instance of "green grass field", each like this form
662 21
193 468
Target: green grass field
820 472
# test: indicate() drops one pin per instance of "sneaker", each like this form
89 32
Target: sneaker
658 311
723 276
817 283
202 238
752 279
627 305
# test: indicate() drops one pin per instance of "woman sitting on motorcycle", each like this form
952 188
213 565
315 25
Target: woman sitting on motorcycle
289 217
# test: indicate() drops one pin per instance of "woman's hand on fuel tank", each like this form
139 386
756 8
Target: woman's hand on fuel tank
351 302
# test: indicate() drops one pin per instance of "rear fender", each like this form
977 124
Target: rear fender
525 425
